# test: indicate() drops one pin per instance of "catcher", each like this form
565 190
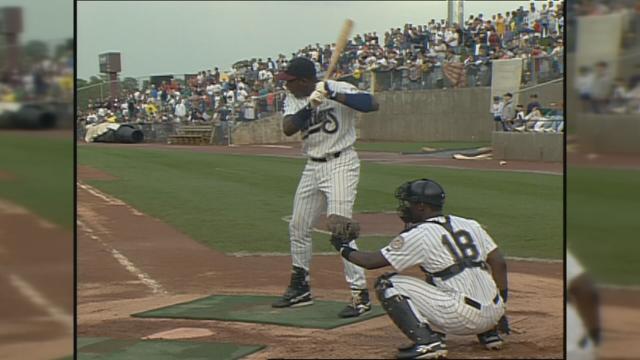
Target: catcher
465 291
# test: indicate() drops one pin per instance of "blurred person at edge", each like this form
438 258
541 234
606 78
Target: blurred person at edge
584 84
601 87
583 314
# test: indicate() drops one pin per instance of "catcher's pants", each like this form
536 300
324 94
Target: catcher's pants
330 186
445 311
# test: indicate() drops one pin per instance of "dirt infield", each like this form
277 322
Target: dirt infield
293 151
36 284
122 270
163 266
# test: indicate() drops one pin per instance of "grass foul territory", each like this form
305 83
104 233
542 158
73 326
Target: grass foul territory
602 222
257 309
236 203
37 173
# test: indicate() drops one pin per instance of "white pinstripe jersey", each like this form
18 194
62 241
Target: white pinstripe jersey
333 125
576 330
433 248
574 269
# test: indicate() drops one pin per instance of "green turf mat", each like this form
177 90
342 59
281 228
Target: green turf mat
257 309
106 348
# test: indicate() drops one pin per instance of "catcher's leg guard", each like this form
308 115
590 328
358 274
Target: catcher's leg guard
298 293
403 314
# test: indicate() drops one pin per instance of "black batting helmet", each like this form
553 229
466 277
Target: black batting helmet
421 191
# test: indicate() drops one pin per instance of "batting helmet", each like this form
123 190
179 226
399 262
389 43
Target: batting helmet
421 191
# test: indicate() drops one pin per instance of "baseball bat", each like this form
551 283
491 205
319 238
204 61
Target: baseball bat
341 43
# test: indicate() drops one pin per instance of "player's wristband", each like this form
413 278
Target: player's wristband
301 118
345 251
362 102
503 294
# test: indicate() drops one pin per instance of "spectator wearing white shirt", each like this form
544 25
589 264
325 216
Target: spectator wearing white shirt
180 111
241 95
584 84
496 110
92 118
601 87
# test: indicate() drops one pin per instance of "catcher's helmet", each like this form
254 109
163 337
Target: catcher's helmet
421 191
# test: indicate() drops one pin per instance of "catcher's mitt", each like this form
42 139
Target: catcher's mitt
343 230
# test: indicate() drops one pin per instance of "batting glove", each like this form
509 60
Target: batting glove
321 86
316 98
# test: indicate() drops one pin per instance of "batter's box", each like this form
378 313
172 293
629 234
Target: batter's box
257 309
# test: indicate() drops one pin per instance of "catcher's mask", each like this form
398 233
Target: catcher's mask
418 191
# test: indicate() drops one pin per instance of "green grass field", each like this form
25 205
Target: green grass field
602 224
236 203
408 147
42 175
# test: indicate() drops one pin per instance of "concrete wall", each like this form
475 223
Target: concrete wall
420 115
430 115
527 146
547 93
608 133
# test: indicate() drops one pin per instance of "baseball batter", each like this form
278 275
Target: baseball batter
325 114
466 276
583 320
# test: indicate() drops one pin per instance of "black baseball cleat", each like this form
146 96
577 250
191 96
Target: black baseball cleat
443 338
434 350
298 293
491 340
294 298
360 304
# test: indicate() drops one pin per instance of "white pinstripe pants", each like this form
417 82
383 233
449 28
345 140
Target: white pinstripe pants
445 311
576 331
330 185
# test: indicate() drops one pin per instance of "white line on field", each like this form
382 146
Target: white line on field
155 286
107 198
532 259
9 208
97 193
36 298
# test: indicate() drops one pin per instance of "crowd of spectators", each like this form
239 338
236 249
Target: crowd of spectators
599 89
601 93
49 78
411 57
533 118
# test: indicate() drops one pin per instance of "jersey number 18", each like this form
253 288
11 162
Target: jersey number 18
462 247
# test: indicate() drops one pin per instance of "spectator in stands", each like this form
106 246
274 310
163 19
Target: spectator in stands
508 112
533 102
601 87
181 111
532 120
496 110
620 97
520 120
584 85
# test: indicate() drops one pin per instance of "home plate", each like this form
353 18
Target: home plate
180 333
